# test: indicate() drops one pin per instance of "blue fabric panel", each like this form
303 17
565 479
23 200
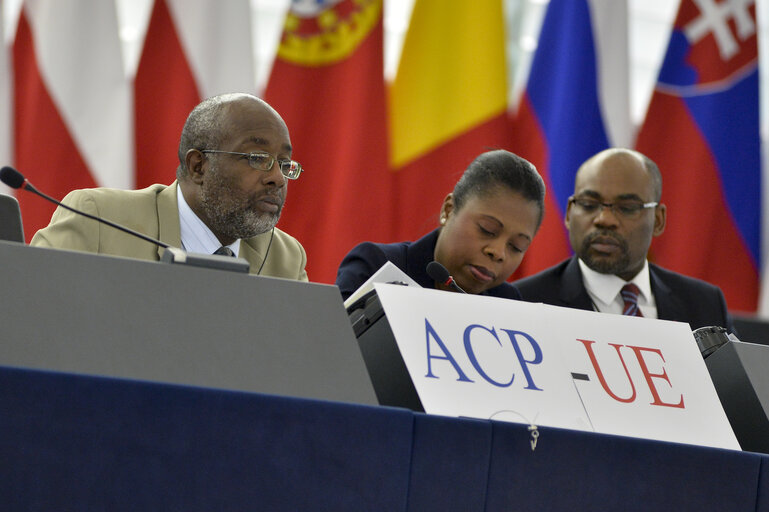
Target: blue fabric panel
450 464
82 443
571 470
763 484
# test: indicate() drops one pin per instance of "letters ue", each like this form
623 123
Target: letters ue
648 376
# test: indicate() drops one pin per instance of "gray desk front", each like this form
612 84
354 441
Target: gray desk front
154 321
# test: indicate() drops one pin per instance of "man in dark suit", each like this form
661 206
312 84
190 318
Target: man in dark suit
612 217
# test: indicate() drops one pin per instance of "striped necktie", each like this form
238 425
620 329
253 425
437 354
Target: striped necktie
629 294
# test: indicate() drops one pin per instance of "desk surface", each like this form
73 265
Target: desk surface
71 442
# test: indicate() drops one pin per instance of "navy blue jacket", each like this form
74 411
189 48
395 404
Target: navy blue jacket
411 257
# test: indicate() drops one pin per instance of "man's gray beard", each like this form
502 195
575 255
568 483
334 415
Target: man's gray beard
240 224
228 216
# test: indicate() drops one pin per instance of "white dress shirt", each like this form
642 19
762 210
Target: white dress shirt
196 236
604 290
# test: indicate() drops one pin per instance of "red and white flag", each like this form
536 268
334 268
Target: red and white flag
193 49
71 102
6 108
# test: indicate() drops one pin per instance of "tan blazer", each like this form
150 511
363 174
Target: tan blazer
154 212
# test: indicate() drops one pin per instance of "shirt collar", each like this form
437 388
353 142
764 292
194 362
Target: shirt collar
606 287
196 236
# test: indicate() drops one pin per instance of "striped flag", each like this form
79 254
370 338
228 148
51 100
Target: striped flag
71 102
193 49
575 105
6 107
448 104
702 129
327 83
164 94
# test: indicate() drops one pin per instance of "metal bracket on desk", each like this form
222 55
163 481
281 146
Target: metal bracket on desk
215 261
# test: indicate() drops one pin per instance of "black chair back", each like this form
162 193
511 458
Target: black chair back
11 228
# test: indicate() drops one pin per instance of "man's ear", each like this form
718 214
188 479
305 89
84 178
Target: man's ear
447 208
660 219
568 215
195 162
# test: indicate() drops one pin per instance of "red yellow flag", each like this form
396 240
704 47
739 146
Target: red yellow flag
448 103
327 83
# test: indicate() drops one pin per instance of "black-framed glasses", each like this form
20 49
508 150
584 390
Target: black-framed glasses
263 161
624 208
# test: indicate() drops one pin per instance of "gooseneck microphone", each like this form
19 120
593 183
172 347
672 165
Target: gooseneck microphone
15 179
440 274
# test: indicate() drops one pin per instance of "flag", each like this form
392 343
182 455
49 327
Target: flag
448 104
71 102
575 104
193 49
702 129
327 83
6 107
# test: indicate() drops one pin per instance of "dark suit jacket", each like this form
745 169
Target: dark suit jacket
678 297
411 257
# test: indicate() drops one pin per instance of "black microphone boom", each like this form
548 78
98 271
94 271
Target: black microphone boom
440 274
15 179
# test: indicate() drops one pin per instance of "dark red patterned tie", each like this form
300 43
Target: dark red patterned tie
630 298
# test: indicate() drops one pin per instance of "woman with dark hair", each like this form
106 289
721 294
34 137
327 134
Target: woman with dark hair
486 226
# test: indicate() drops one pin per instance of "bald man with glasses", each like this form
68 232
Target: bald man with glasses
612 217
234 167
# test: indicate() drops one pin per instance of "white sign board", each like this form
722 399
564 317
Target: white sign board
486 357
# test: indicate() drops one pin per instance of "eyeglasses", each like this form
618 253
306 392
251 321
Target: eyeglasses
625 208
263 161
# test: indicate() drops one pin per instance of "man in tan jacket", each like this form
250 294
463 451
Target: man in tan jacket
234 165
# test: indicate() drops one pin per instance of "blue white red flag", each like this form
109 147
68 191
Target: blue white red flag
702 129
568 111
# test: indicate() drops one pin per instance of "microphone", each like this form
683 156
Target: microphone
16 180
440 274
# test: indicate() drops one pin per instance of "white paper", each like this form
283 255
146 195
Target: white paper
387 273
